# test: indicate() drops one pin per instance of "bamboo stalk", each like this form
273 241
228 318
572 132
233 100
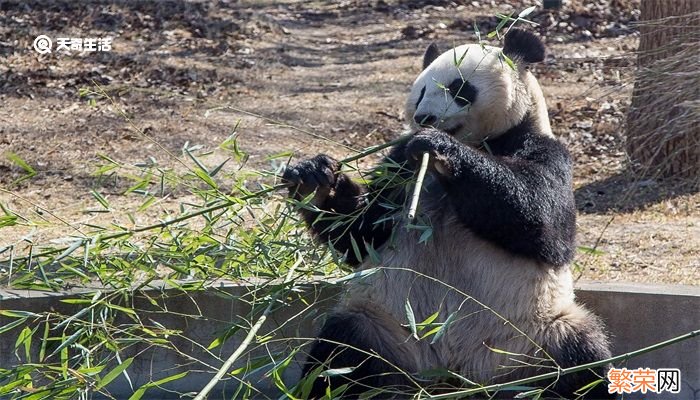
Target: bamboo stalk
419 186
373 149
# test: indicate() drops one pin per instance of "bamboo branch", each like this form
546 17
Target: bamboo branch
567 371
248 339
368 151
279 124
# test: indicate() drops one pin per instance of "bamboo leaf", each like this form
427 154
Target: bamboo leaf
355 248
222 338
508 61
218 168
12 325
431 332
104 381
501 24
461 59
590 250
309 381
590 386
44 394
6 389
426 235
411 319
70 249
100 199
25 338
524 13
373 254
120 308
499 351
69 341
428 320
204 175
8 220
18 314
196 161
149 201
337 392
17 160
535 394
44 341
355 275
443 328
336 372
142 390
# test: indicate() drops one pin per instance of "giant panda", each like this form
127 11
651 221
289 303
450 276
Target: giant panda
495 264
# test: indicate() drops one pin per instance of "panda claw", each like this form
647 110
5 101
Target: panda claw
291 177
309 175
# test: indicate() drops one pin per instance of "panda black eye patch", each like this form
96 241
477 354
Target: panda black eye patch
463 92
420 98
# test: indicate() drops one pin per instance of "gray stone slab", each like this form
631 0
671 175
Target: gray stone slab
641 315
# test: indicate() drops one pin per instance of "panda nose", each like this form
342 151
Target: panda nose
425 119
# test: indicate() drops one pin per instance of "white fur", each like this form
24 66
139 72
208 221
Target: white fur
455 271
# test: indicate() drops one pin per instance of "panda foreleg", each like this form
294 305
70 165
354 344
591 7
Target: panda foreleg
522 201
337 213
371 343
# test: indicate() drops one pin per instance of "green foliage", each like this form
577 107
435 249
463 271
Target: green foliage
19 162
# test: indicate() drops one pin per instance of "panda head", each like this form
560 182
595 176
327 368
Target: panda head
471 93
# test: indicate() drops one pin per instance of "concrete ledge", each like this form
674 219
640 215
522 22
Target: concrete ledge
636 315
641 315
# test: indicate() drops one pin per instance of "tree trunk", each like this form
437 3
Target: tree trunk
663 135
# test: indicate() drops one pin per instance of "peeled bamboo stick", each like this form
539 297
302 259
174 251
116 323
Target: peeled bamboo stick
419 185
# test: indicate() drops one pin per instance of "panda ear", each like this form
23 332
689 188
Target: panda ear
431 53
523 45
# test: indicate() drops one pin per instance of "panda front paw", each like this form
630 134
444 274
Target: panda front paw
317 174
440 147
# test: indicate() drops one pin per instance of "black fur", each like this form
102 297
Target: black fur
519 197
582 345
345 199
463 92
364 328
431 53
318 172
420 98
523 45
425 119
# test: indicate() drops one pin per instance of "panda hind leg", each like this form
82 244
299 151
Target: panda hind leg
368 340
580 338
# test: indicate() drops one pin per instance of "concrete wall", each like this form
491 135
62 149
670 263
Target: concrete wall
637 316
200 316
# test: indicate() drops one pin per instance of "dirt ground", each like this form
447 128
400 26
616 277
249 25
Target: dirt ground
339 69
